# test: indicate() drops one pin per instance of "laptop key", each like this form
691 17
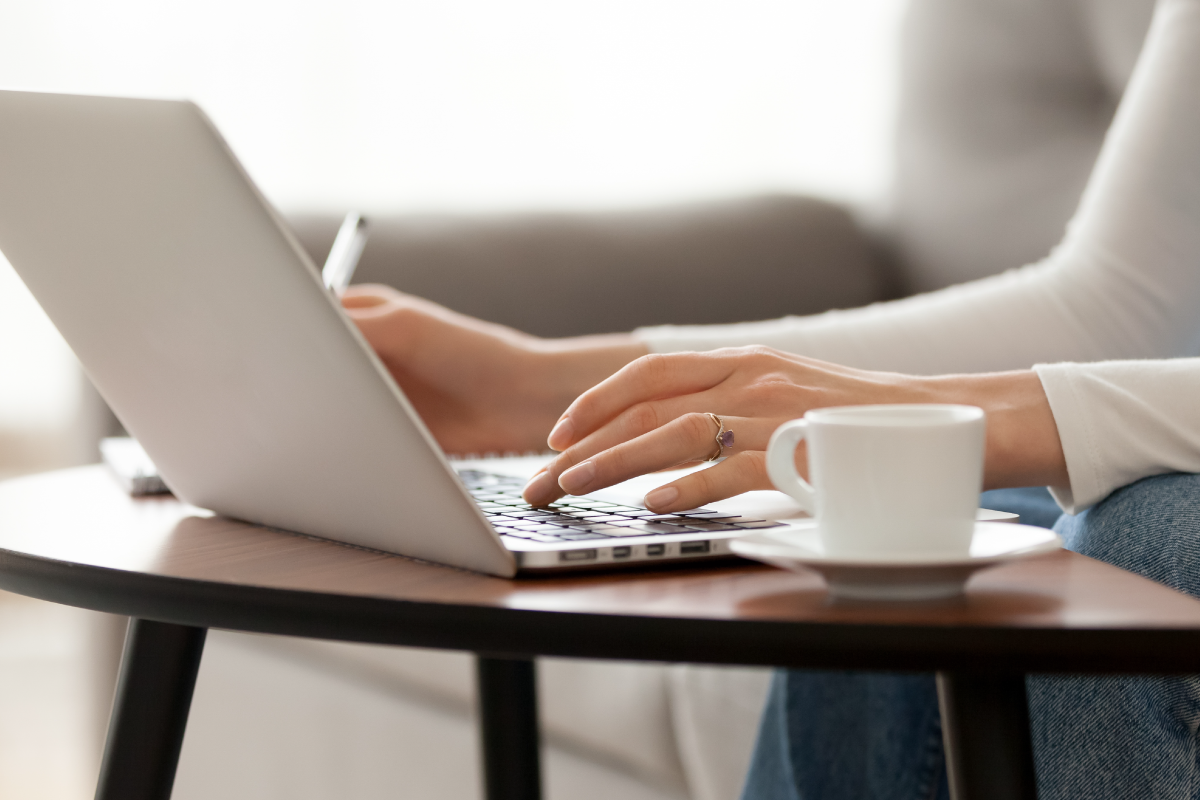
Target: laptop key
756 524
713 526
595 528
657 527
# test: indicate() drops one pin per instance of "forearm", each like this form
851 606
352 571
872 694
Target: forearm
1023 447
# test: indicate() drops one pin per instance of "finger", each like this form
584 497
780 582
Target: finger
686 439
648 378
690 438
632 423
394 324
386 328
630 427
742 472
367 296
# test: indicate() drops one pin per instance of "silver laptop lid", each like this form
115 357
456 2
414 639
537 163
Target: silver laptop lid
208 331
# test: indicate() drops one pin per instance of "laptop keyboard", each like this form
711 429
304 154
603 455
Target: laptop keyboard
574 519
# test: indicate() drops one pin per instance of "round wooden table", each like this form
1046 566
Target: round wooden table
74 537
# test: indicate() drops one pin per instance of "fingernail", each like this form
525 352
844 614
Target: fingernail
661 498
560 437
539 490
578 479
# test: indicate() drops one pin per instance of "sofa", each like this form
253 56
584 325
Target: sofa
1004 106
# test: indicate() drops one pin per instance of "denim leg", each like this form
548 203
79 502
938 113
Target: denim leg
827 735
1126 736
770 776
848 735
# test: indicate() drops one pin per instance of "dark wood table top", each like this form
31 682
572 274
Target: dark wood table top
74 537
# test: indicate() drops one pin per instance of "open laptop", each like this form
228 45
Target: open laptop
207 329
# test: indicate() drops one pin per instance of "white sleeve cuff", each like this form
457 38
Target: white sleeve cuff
1074 433
1121 421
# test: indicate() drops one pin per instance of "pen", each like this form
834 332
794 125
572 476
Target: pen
343 256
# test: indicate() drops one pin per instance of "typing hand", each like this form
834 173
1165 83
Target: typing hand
478 386
655 414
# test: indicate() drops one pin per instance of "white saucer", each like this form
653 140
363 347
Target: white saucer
876 577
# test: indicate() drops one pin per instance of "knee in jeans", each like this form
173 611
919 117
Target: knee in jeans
1151 527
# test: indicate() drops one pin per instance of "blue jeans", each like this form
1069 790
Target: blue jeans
877 736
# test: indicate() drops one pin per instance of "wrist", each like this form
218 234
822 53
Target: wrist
1023 447
569 367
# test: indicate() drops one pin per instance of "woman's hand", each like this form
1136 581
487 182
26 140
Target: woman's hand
653 415
478 386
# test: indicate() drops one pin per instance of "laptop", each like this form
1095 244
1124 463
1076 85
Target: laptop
207 329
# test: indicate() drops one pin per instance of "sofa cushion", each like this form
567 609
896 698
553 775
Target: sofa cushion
716 712
570 274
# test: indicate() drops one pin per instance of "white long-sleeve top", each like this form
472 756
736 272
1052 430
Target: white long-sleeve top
1123 286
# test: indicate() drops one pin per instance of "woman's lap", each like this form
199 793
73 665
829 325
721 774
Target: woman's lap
834 735
1138 735
831 735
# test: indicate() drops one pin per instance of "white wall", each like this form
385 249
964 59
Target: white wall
471 104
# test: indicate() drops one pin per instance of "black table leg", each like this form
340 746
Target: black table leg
985 729
508 724
154 693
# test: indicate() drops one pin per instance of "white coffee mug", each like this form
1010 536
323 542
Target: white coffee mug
893 481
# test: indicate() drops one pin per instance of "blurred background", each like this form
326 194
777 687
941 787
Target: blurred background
462 105
453 106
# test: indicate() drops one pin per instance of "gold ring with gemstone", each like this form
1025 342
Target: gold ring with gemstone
723 438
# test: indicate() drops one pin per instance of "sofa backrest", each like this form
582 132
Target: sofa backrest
575 273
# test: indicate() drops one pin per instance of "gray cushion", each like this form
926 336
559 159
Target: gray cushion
569 274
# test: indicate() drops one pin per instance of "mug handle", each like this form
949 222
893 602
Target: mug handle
781 464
